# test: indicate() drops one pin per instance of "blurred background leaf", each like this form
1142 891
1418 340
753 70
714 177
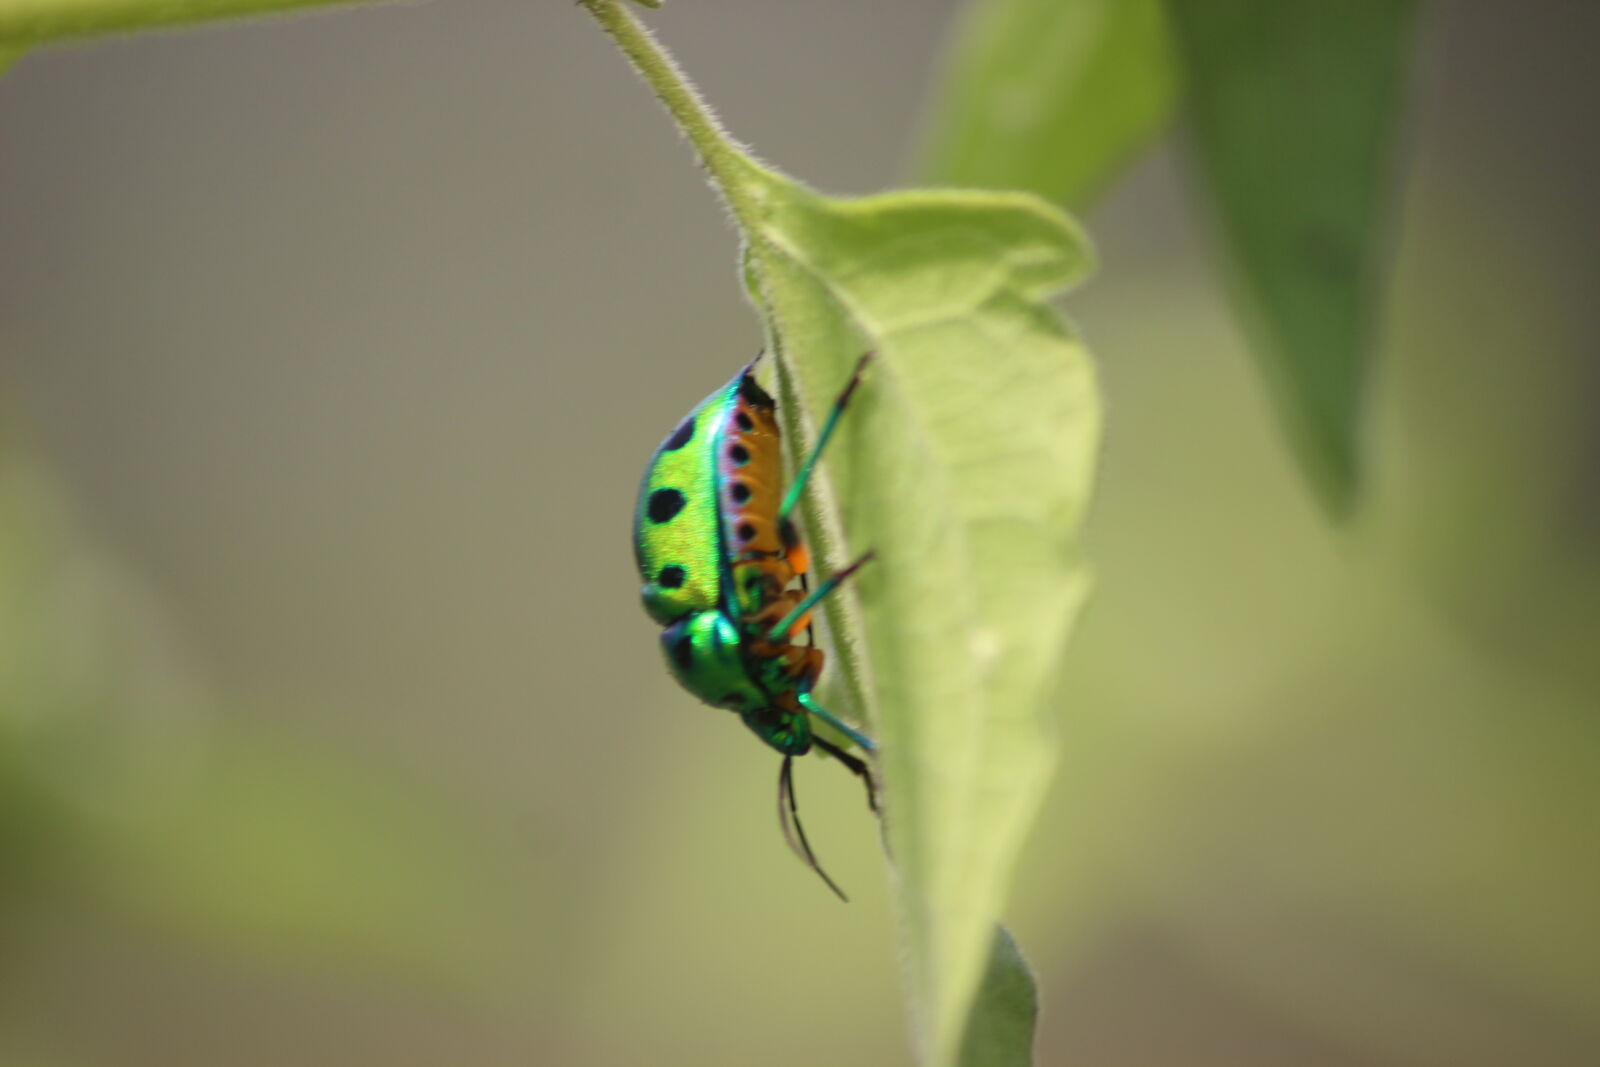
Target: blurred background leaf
129 803
1000 1031
92 708
277 849
1294 112
1052 96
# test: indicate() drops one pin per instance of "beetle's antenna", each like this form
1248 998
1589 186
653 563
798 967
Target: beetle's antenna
793 832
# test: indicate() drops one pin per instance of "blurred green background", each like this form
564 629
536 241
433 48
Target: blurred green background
331 732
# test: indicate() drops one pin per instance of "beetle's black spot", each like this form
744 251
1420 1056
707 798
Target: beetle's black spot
683 653
680 436
753 393
739 454
788 534
740 492
747 531
670 577
664 504
746 423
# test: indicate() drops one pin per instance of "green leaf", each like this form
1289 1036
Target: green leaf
967 466
966 463
29 22
1052 96
1294 109
1003 1016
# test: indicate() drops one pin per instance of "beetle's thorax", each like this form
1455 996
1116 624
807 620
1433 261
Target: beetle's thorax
708 658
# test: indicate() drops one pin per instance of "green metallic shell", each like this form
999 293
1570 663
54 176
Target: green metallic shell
677 532
682 533
705 654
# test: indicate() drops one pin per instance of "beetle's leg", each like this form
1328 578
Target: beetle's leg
793 832
809 702
796 616
804 472
854 764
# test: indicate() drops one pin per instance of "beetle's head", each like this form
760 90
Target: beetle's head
704 654
788 731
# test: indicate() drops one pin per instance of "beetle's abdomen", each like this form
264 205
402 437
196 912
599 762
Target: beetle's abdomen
750 473
676 532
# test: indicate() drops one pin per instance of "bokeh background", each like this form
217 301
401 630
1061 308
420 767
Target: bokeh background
331 732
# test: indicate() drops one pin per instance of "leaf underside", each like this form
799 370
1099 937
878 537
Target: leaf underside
967 465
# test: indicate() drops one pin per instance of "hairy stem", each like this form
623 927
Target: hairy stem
28 22
729 167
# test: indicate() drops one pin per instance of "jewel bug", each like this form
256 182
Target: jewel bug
725 572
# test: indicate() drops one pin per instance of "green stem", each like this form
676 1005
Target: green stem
29 22
729 168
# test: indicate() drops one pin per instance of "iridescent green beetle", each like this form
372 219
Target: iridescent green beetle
720 558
